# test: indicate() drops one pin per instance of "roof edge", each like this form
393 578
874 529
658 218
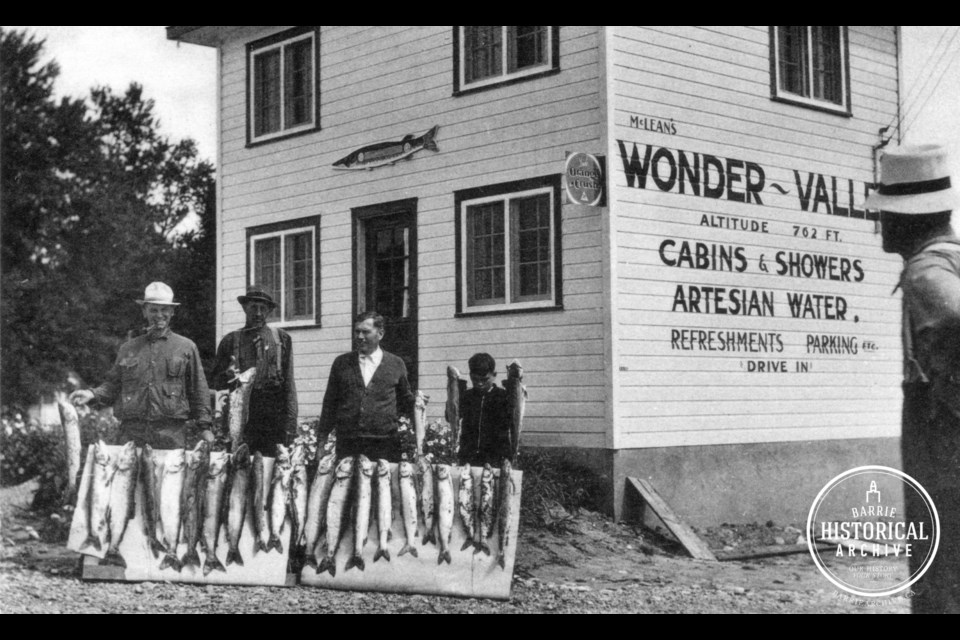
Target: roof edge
202 35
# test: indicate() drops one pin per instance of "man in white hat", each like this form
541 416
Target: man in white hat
157 382
915 199
272 418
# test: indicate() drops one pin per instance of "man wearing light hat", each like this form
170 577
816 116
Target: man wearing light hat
915 199
157 382
272 418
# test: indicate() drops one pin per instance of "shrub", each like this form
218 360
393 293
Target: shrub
555 479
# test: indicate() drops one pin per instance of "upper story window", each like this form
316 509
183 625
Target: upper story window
283 258
508 246
283 84
487 56
810 66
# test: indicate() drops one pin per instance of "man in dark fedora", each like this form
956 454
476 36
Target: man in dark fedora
272 417
157 383
916 199
367 393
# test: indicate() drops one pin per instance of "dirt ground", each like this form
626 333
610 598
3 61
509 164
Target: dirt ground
582 564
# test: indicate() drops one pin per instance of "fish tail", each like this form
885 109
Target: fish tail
259 546
444 557
233 556
468 543
171 560
92 541
191 558
211 562
355 561
502 561
428 141
408 549
114 558
329 564
382 553
157 547
429 536
274 543
310 560
482 546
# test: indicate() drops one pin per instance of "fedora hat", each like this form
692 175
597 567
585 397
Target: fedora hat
914 179
256 293
158 293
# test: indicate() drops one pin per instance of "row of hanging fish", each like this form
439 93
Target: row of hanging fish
190 496
351 494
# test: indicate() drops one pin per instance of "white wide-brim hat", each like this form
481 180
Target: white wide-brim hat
158 293
914 179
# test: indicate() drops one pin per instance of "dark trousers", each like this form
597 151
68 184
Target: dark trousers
159 434
374 447
266 422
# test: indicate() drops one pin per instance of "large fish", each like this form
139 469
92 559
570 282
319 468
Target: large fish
364 497
151 500
408 507
70 422
516 401
445 507
123 500
452 410
317 505
216 482
507 488
466 506
336 509
171 487
384 510
427 507
236 502
191 501
261 529
381 153
98 500
420 419
486 510
279 497
298 497
238 407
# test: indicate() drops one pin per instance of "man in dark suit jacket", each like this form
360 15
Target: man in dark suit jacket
366 395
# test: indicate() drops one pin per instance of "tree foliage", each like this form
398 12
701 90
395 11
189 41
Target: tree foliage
91 195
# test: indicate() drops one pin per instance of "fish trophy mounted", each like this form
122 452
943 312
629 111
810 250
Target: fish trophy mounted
383 153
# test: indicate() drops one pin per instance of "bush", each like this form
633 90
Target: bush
552 480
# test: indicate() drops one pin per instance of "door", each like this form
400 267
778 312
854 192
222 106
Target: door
385 271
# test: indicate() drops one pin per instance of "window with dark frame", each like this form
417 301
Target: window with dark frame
283 84
489 56
508 246
283 259
810 66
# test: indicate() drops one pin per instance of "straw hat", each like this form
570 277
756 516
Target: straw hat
914 179
158 293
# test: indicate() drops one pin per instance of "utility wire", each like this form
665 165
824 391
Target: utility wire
916 115
909 110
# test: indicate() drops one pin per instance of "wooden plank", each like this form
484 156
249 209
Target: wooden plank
690 541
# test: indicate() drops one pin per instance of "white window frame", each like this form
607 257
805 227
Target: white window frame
282 294
251 97
504 57
843 107
508 305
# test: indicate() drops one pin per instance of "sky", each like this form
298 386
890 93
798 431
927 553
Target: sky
181 78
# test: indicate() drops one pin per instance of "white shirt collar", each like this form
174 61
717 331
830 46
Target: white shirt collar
374 357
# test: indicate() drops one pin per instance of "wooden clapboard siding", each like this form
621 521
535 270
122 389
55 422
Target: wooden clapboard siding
379 84
713 85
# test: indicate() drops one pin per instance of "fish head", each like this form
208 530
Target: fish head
466 473
241 457
218 463
197 455
443 472
487 475
365 465
127 457
514 370
506 469
383 468
101 455
326 463
175 461
421 400
453 373
345 468
406 469
283 455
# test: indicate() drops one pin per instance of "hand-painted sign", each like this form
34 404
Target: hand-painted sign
377 155
584 179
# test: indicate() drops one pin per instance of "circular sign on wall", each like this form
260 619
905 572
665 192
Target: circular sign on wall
583 179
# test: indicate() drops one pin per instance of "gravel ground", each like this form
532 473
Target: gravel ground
586 564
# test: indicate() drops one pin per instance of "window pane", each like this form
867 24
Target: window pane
827 74
528 47
532 253
266 92
793 60
483 51
298 83
266 265
298 254
486 281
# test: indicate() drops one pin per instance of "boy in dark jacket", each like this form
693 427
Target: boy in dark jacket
484 419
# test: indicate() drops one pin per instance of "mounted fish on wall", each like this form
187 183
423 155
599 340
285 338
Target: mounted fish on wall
383 153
